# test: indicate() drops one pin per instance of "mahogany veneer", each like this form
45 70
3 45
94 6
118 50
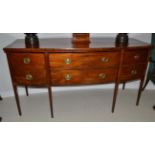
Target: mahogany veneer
59 62
80 37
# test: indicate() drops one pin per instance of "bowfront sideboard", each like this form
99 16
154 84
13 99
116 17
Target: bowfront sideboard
60 62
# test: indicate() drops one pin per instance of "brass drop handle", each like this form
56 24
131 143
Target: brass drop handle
104 59
136 57
67 61
26 60
102 76
133 72
68 77
29 77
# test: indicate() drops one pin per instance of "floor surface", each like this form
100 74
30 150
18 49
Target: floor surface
81 106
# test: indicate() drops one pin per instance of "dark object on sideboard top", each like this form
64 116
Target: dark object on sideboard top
122 39
31 40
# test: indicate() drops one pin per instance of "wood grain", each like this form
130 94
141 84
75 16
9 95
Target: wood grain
81 61
79 77
38 77
132 71
17 60
139 56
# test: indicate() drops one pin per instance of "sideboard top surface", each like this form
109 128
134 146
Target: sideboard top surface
50 44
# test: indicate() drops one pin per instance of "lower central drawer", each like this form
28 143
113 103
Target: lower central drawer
77 77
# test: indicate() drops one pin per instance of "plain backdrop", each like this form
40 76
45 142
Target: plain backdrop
55 16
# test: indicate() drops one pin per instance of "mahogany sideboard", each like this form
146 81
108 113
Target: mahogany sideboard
60 62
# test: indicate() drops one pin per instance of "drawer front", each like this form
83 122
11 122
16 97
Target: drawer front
30 77
75 77
85 60
131 57
132 72
18 60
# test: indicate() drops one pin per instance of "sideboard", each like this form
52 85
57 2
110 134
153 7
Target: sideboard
60 62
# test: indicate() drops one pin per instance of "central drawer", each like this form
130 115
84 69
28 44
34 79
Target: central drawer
75 77
84 60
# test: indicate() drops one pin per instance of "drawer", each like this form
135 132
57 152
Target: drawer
20 60
131 57
30 77
80 77
132 72
84 60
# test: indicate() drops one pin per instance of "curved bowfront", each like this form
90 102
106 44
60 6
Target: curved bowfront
60 62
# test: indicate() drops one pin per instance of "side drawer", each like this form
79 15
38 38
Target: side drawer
30 77
132 72
20 60
84 60
82 77
131 57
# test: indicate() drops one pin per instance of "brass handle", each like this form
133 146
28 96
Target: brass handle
27 60
136 57
68 77
102 76
104 59
29 77
133 72
68 61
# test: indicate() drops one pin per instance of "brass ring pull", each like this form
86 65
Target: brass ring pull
102 76
136 57
68 61
133 72
29 77
26 60
104 59
68 77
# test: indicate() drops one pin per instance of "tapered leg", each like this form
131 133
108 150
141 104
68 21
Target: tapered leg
50 101
114 97
17 99
26 89
123 86
140 91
